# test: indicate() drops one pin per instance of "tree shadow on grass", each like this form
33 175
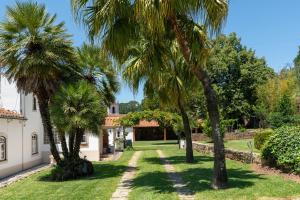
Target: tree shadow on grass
199 178
101 171
182 160
155 181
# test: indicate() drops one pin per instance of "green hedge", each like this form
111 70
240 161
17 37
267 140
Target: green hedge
283 149
261 137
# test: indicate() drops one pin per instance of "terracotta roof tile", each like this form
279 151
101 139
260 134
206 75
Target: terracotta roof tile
145 123
110 121
8 114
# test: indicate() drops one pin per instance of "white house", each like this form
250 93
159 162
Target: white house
23 143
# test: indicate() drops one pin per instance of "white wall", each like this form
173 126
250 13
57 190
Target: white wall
9 95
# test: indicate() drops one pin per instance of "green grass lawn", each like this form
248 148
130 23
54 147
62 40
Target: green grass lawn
241 145
152 181
243 182
99 186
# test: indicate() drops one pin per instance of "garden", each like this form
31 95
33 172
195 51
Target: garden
193 78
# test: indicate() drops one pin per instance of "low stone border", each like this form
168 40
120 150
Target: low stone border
245 157
249 134
22 175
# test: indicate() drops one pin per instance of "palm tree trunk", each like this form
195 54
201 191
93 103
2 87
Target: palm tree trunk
78 139
71 143
48 130
220 177
187 132
63 143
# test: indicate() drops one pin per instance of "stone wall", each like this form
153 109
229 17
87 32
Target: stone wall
245 157
249 134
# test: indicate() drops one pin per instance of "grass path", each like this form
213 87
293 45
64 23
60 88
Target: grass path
184 193
151 182
124 187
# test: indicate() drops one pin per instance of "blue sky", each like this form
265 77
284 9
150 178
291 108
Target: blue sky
270 27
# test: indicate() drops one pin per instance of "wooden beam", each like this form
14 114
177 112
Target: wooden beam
165 134
133 134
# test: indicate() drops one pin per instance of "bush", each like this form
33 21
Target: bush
207 129
72 169
282 150
261 137
277 119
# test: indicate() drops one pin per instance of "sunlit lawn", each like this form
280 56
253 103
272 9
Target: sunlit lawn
100 186
152 182
241 145
243 182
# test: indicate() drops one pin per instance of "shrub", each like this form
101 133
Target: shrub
207 129
72 169
261 137
282 150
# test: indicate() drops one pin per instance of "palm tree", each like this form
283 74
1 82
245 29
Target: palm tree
119 23
37 55
98 69
75 109
172 84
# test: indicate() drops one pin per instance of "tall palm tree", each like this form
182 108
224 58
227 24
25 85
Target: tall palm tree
119 23
37 55
97 68
171 84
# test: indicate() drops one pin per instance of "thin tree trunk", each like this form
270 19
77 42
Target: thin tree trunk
63 143
71 143
187 132
78 139
220 178
48 130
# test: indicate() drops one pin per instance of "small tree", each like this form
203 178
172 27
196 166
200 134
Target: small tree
75 109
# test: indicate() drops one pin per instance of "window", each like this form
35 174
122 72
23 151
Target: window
56 138
84 139
34 144
118 134
34 104
2 148
113 110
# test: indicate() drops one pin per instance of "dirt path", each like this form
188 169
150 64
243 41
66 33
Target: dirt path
184 193
125 185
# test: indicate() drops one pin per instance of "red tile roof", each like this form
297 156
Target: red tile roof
145 123
110 121
8 114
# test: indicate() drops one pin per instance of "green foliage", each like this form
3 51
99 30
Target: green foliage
284 113
283 148
261 137
207 128
165 119
78 106
131 106
98 69
237 72
37 52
